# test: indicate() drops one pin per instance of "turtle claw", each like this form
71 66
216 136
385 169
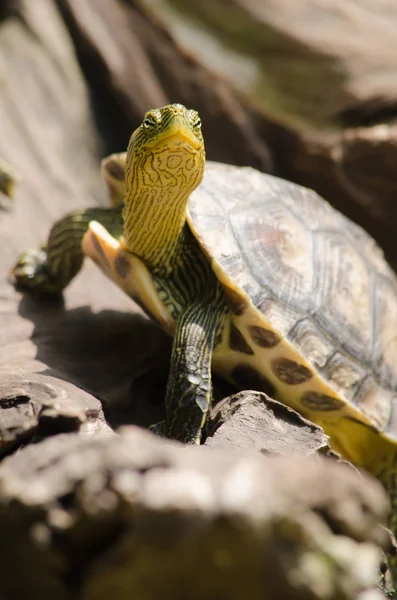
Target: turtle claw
31 273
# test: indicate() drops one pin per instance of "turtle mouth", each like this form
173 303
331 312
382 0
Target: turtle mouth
177 139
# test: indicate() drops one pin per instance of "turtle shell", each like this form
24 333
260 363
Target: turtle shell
311 296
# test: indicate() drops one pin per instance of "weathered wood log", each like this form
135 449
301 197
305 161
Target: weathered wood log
135 516
33 406
252 421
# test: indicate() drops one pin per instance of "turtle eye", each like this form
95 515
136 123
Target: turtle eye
149 122
197 123
194 120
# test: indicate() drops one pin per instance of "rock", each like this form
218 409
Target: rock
252 420
136 516
33 406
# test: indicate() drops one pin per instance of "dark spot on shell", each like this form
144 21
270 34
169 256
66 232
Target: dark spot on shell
122 266
290 372
236 302
264 337
237 341
245 377
99 250
321 402
115 169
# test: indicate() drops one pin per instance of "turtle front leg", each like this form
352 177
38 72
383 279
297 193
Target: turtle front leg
189 388
50 269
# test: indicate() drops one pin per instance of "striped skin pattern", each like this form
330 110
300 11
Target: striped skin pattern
165 164
50 269
193 296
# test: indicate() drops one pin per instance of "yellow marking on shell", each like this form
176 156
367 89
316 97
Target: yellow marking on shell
236 301
127 271
377 453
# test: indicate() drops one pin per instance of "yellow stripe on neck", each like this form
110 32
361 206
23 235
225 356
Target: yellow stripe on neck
163 168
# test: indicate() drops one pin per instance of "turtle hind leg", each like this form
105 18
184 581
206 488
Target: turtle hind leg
49 270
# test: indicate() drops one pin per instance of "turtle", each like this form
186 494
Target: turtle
256 278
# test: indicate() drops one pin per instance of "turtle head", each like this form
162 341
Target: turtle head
167 145
172 125
164 164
